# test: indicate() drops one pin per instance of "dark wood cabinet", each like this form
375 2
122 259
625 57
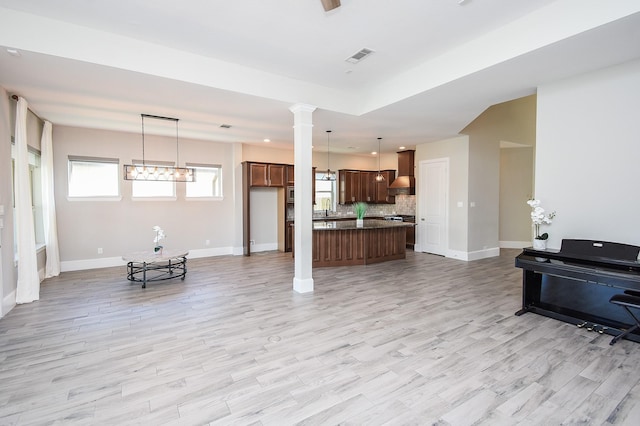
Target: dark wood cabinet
361 185
290 175
406 163
264 174
288 236
367 187
382 188
348 186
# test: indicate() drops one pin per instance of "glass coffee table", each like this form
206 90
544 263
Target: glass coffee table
148 266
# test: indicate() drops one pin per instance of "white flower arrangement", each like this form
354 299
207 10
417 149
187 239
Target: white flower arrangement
159 236
539 218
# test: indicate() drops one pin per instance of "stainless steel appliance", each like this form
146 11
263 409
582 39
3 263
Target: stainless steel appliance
290 194
411 231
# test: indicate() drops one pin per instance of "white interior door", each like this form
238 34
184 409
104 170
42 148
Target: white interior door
433 227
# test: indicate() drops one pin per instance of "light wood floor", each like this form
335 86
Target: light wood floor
426 340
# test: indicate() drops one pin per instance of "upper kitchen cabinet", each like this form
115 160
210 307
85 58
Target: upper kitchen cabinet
348 186
290 175
361 185
382 188
264 174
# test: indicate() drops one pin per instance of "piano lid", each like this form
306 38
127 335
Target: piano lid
599 249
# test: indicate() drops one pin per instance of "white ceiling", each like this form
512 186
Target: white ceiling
437 63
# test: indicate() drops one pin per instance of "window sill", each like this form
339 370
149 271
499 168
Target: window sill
154 198
40 247
204 198
118 198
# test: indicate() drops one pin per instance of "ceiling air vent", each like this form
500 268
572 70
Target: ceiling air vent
360 55
225 126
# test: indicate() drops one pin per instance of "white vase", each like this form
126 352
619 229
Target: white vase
539 244
359 223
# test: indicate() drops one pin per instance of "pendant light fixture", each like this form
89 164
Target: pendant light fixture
155 172
328 175
379 176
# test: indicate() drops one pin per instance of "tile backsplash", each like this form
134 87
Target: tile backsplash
405 204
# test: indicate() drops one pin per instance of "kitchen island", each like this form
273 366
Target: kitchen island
343 243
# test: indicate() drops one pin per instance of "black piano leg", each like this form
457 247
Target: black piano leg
624 333
522 311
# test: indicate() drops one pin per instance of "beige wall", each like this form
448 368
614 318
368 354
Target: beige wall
513 121
457 151
477 177
516 186
7 270
126 225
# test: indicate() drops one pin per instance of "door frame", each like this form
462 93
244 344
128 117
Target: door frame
422 198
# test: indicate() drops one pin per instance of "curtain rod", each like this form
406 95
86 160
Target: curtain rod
15 98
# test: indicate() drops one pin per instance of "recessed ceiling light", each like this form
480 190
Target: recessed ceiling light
401 147
13 52
374 152
266 140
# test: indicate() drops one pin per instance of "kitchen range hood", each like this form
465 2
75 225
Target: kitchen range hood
405 183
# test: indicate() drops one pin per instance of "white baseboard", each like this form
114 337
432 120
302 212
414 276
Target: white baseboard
473 255
264 247
514 244
457 254
8 303
109 262
83 264
210 252
483 254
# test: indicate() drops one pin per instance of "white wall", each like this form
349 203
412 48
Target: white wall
587 155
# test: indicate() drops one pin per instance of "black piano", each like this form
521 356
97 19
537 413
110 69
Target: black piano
575 284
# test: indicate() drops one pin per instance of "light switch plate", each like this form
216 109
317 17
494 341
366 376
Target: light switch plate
2 210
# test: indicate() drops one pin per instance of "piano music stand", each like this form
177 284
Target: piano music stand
630 299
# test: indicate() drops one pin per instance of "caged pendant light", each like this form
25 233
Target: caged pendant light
159 173
379 176
328 175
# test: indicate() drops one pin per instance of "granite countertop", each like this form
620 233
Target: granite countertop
351 224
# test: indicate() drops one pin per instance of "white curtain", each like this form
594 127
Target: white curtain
52 268
28 288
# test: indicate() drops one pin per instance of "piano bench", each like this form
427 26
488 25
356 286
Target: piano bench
630 299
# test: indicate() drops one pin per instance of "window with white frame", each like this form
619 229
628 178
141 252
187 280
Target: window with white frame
208 182
36 192
325 193
153 188
93 177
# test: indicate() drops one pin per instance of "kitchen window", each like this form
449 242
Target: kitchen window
326 193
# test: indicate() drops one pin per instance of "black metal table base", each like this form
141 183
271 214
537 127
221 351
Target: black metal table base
144 272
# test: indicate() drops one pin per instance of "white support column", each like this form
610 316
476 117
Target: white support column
303 210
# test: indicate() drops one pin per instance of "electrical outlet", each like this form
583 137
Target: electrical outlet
99 250
252 242
207 242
